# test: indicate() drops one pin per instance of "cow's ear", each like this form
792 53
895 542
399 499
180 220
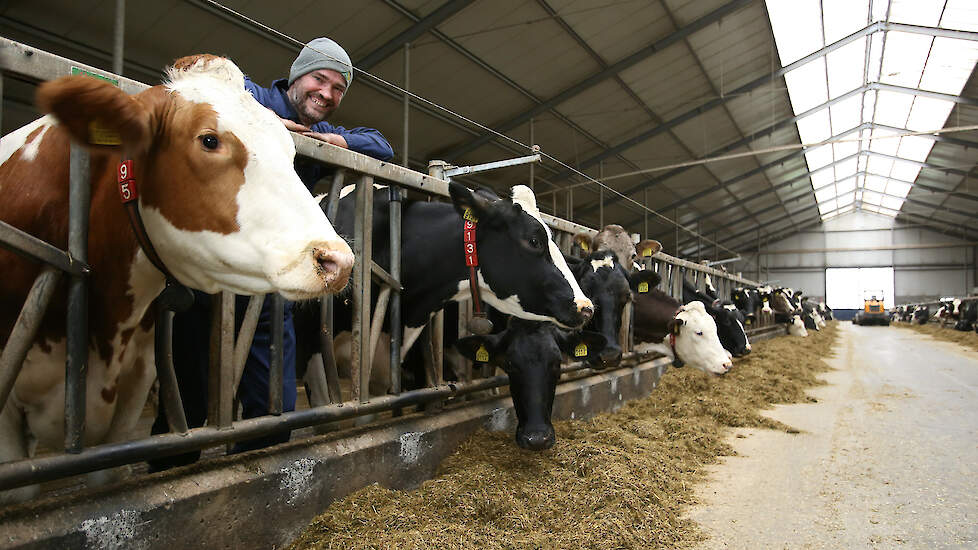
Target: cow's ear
584 243
98 114
482 349
465 199
674 326
650 278
648 248
580 345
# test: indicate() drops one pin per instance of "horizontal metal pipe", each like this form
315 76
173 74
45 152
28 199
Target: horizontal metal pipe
30 246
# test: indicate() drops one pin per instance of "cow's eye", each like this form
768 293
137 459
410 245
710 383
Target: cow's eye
210 142
699 333
535 243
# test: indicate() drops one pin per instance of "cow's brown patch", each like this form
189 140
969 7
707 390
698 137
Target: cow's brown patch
193 187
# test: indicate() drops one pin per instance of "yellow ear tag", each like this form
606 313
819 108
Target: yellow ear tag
643 287
482 354
580 350
99 134
585 247
468 215
647 252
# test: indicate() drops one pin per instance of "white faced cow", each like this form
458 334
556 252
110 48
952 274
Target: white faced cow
221 203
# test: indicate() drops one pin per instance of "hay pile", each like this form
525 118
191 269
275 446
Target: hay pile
618 480
967 339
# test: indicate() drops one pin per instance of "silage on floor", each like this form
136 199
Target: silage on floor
617 480
968 339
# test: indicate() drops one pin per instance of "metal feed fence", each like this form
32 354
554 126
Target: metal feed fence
228 350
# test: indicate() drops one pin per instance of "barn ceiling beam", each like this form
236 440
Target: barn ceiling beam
600 76
428 22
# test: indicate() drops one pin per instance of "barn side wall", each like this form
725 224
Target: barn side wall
920 274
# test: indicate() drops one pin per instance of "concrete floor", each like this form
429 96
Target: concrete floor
887 458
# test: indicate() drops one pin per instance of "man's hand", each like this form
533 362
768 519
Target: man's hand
294 126
334 139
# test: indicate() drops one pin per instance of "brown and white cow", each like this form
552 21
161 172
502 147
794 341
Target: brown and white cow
221 203
612 237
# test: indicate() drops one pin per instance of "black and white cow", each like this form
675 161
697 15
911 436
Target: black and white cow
968 316
730 328
521 271
605 282
921 314
748 301
531 353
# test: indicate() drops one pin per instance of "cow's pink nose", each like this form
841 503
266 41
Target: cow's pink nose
335 266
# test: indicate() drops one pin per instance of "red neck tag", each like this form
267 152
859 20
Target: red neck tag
468 243
127 182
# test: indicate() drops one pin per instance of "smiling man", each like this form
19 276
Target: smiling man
319 79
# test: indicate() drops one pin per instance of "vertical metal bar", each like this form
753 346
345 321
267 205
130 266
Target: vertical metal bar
407 102
76 367
676 253
326 305
169 390
438 346
397 330
246 334
532 143
118 43
220 373
362 246
276 353
25 329
380 311
1 107
645 213
464 316
600 196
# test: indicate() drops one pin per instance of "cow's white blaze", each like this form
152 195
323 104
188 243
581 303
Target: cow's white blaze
797 327
697 343
510 305
17 139
523 196
280 225
603 262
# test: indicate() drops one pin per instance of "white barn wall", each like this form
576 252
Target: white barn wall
919 274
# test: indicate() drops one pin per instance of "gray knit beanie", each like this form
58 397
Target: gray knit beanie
322 53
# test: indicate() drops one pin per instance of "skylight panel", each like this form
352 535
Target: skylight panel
825 194
904 57
897 188
870 208
872 197
846 199
892 203
819 157
949 65
845 67
815 127
875 183
915 148
846 186
845 149
797 28
837 16
960 15
879 8
847 114
892 108
928 114
806 86
845 169
887 144
862 163
822 178
827 206
905 171
916 12
879 165
875 54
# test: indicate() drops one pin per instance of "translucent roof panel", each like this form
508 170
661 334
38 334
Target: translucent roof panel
865 96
